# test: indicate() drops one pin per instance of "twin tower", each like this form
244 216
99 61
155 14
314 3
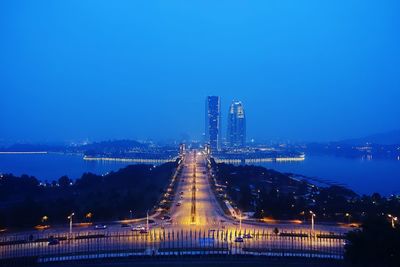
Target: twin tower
236 133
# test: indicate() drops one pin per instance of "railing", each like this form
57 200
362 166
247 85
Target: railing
105 244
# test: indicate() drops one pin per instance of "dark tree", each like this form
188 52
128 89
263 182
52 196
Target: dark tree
64 181
137 187
377 244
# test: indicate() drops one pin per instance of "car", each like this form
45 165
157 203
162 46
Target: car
239 239
138 228
100 227
53 241
247 236
165 217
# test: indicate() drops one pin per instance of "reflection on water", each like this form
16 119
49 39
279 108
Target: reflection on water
364 176
52 166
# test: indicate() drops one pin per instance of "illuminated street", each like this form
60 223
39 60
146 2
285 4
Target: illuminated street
207 211
209 214
195 214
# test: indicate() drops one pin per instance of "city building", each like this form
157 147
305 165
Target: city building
236 135
213 122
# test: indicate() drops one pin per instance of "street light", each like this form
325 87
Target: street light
89 215
312 220
240 220
147 221
70 223
44 219
130 211
393 219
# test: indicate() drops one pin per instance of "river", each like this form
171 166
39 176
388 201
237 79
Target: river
361 175
52 166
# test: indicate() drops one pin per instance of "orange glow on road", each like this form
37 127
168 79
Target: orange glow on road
42 227
84 224
268 220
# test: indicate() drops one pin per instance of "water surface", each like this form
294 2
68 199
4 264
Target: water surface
52 166
361 175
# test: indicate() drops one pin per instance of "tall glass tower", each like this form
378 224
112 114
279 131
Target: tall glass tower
213 122
236 136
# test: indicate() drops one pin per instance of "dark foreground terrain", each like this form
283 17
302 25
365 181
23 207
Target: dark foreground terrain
277 195
26 202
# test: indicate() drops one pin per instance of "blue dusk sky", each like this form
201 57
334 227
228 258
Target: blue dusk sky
304 70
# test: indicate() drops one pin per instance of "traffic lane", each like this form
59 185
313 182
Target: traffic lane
181 210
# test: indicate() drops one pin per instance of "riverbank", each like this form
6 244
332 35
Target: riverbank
267 194
361 175
22 152
130 160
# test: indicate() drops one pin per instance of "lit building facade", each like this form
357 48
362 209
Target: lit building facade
213 122
236 135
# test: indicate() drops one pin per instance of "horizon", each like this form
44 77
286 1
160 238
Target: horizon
169 141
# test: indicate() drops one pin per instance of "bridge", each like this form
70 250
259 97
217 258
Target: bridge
196 225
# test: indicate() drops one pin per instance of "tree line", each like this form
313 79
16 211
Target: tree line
26 202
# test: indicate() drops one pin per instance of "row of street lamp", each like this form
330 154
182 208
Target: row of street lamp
312 214
89 215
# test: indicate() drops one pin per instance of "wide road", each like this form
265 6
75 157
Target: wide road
208 212
194 208
195 205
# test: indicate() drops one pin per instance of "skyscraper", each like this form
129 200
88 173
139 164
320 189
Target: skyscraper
213 122
236 136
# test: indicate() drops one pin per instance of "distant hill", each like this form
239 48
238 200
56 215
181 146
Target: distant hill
112 147
115 145
388 138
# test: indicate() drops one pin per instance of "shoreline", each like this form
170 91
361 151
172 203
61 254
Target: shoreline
22 152
137 160
259 160
332 169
